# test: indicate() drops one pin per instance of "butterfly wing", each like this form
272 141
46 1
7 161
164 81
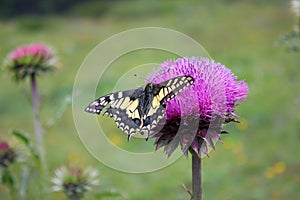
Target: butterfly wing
163 92
124 108
167 90
129 110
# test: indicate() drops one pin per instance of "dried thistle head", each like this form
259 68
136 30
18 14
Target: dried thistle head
74 181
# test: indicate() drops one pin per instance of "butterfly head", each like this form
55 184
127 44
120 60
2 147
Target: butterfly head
149 88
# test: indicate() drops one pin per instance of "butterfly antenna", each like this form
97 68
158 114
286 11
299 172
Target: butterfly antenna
160 72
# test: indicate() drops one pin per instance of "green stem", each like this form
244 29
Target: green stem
24 182
75 197
196 176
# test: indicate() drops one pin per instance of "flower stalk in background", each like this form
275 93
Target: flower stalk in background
30 61
292 39
74 181
295 7
194 118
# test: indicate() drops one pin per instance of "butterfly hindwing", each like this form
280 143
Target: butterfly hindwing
123 120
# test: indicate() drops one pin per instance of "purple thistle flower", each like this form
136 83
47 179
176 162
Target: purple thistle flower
30 59
194 117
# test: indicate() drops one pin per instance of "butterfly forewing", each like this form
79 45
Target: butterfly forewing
169 89
114 99
123 108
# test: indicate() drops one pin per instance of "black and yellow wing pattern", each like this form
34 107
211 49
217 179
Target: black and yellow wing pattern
140 109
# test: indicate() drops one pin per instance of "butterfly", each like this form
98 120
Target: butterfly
140 109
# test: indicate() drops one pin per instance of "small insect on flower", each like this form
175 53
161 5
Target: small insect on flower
74 181
140 109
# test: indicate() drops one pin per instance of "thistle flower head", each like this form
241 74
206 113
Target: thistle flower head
74 181
30 59
7 154
194 117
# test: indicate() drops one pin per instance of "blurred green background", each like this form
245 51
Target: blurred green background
258 160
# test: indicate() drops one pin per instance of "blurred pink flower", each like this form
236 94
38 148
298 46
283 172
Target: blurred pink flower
4 146
194 117
30 59
31 50
7 154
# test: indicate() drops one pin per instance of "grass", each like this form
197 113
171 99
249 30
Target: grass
240 34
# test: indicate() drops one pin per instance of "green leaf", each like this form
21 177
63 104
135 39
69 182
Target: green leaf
26 140
107 193
21 136
7 178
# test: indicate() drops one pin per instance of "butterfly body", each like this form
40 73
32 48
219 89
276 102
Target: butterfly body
140 109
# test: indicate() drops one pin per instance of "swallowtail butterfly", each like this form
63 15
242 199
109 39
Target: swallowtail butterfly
140 109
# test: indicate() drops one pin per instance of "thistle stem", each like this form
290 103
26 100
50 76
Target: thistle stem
35 105
75 197
37 126
24 182
196 176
